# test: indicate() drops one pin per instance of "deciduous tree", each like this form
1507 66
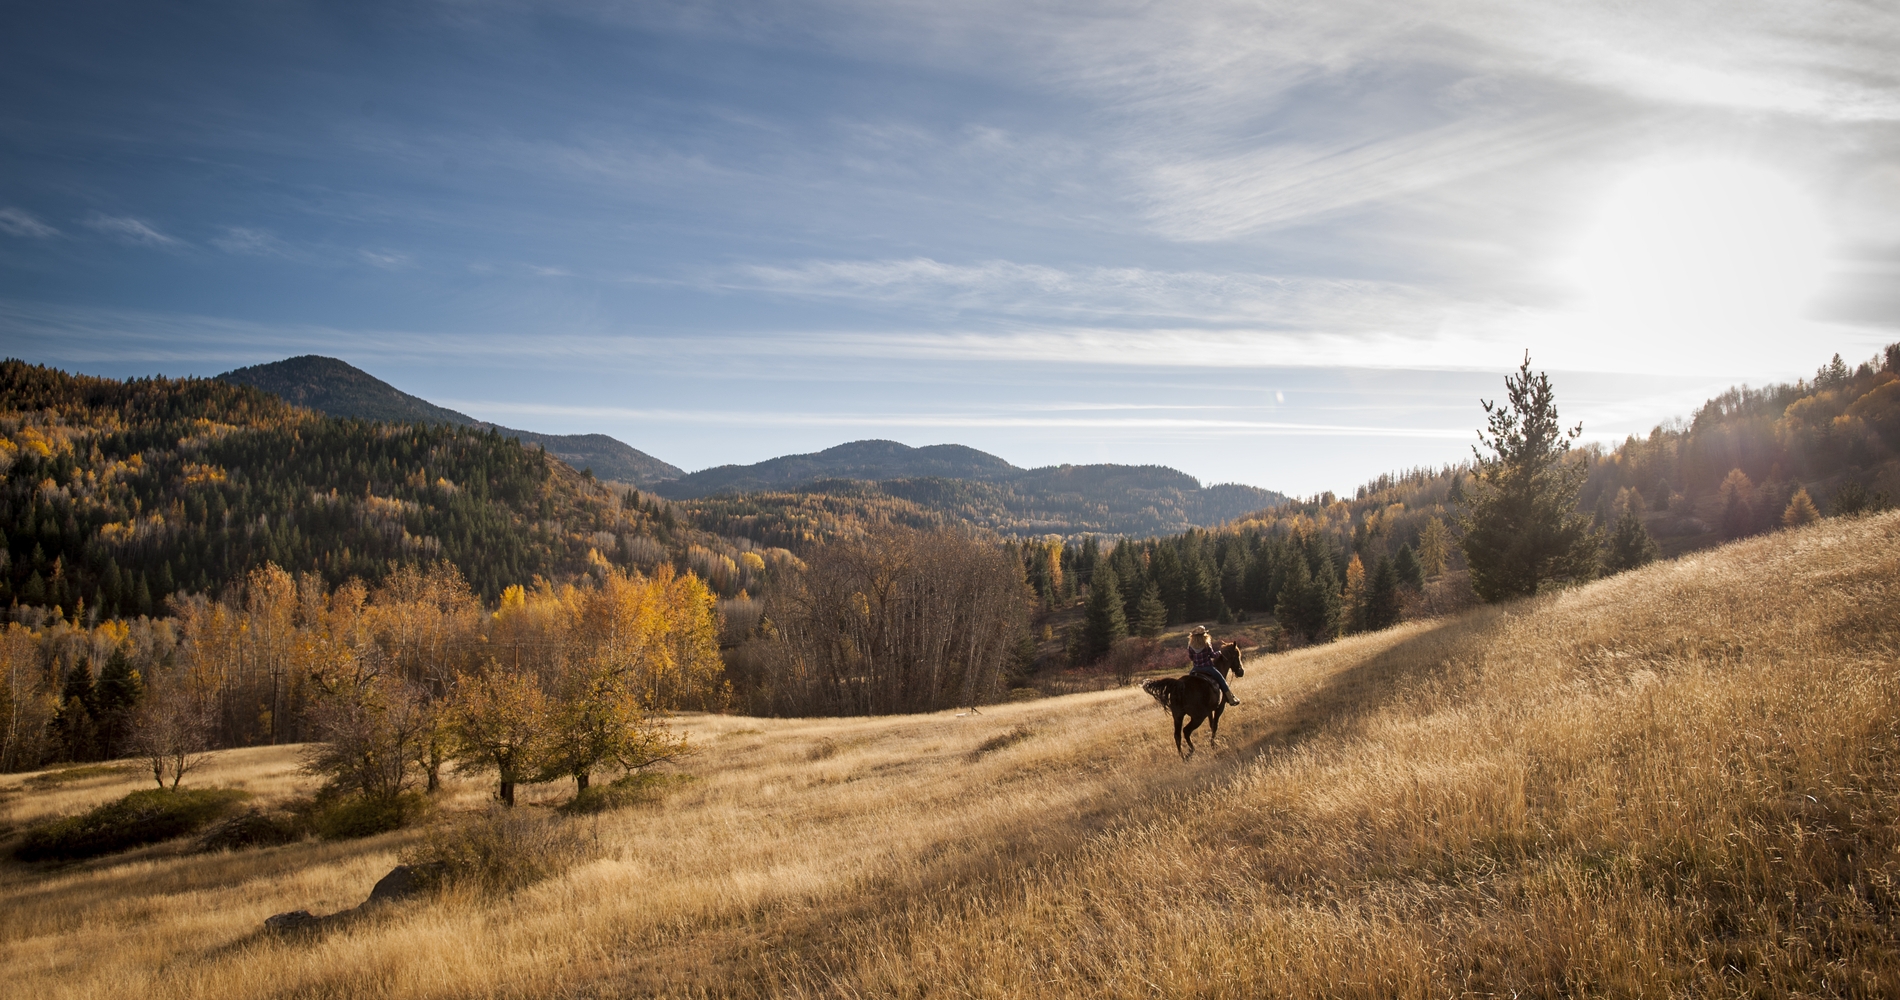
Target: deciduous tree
501 725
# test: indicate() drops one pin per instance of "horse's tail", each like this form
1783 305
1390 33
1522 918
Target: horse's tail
1162 689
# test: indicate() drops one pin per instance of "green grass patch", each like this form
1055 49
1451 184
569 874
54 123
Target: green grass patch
143 817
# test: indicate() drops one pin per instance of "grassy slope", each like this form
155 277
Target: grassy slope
1677 781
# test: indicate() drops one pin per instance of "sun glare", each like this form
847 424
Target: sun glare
1689 258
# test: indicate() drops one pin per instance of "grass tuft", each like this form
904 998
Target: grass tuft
497 853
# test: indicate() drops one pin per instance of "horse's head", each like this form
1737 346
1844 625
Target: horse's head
1230 659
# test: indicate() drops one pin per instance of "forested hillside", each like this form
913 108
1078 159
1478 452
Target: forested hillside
117 494
1749 461
330 386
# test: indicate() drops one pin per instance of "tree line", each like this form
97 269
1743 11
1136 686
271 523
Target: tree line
399 678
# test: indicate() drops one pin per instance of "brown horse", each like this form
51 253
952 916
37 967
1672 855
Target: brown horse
1196 698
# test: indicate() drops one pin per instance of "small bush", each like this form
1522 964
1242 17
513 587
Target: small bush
143 817
627 790
1002 740
251 828
498 853
354 816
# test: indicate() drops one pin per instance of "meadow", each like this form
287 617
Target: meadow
1677 781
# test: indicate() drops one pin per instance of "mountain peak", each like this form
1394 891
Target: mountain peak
340 389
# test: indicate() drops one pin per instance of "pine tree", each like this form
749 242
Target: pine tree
1103 623
1629 545
1800 510
1151 616
1382 597
1522 529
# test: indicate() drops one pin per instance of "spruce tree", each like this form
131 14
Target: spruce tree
1324 608
1103 623
1382 597
116 696
1630 544
1406 565
74 719
1290 610
1151 616
1522 529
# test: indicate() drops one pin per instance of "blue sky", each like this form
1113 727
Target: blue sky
1285 244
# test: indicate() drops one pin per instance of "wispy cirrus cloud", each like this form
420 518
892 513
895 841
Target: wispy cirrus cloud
1128 294
388 260
247 241
129 230
19 222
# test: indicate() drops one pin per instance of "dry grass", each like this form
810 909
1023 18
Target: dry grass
1679 782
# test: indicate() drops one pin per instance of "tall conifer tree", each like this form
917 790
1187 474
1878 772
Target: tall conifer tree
1522 528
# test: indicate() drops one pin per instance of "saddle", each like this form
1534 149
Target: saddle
1196 675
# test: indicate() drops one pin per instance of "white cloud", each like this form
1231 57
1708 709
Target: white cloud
129 230
17 222
252 242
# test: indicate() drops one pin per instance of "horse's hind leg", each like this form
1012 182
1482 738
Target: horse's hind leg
1189 733
1177 736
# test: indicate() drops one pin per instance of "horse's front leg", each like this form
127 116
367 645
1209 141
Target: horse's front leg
1213 725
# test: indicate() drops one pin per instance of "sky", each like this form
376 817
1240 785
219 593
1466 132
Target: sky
1285 244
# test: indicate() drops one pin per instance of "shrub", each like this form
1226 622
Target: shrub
53 779
497 853
143 817
352 816
251 828
633 789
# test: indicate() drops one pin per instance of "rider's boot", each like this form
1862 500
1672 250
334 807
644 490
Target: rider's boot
1231 700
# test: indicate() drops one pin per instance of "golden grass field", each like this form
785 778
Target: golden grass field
1676 782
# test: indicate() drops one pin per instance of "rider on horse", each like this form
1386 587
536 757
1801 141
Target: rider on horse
1202 651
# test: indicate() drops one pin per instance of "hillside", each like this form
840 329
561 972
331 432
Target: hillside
888 480
117 494
339 389
1673 782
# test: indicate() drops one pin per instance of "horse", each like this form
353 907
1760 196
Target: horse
1196 698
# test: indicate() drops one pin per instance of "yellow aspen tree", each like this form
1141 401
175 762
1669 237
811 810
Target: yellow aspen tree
1353 597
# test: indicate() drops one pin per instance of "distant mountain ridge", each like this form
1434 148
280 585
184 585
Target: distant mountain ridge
976 487
335 387
942 481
